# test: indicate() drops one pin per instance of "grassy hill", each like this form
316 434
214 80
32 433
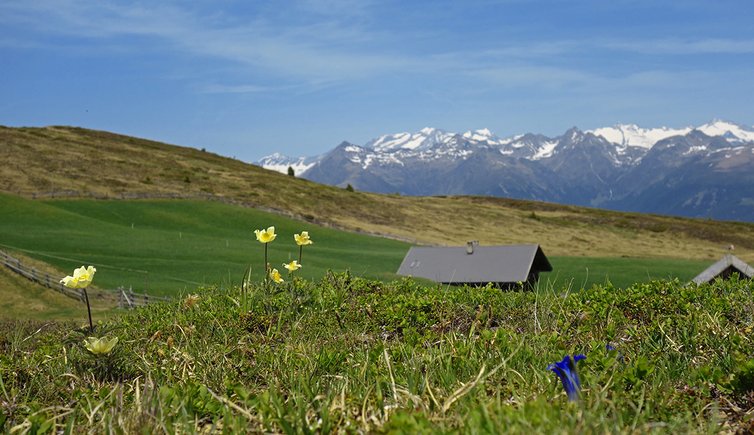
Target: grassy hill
75 161
167 246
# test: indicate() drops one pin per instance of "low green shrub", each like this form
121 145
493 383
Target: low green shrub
350 354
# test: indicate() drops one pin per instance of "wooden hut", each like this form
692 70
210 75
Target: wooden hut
727 266
503 266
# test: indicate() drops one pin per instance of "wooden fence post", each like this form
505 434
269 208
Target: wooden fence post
124 298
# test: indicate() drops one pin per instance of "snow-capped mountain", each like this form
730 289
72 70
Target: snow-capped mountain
280 163
631 135
623 166
733 133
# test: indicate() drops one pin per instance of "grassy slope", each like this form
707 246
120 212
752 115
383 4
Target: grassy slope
579 272
23 299
92 162
168 245
177 245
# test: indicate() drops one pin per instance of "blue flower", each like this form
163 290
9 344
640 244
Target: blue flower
566 371
619 356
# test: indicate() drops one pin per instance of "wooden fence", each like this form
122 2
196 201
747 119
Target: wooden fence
122 297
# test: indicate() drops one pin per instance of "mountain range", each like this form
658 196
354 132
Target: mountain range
705 171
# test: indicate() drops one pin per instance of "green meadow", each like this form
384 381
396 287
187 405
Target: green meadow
164 247
621 272
170 246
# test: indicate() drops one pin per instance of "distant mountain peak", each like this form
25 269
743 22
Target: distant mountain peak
427 137
481 135
729 130
631 135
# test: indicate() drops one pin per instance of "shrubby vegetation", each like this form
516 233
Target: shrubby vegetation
353 354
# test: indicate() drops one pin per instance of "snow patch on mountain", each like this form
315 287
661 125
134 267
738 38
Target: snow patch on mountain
695 149
546 150
730 131
423 139
634 136
280 163
485 135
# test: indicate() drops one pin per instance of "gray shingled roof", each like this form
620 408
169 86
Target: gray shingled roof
497 264
718 268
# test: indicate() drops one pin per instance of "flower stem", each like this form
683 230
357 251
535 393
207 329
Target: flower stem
266 265
89 311
300 252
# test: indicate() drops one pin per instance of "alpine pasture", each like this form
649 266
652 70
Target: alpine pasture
344 345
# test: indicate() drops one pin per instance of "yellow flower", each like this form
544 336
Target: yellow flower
81 278
303 238
275 276
292 266
100 346
266 236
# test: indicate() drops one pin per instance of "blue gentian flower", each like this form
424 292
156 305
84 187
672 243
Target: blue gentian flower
609 348
566 371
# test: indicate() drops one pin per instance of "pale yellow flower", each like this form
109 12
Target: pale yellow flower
266 236
303 238
81 278
292 266
275 276
100 346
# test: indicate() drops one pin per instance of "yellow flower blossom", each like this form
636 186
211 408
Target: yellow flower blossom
275 276
100 346
266 236
292 266
303 238
81 278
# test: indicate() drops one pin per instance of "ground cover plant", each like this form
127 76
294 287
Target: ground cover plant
350 354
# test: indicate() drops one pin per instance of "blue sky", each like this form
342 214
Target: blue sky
247 78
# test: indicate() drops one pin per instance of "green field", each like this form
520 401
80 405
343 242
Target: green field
168 246
621 272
